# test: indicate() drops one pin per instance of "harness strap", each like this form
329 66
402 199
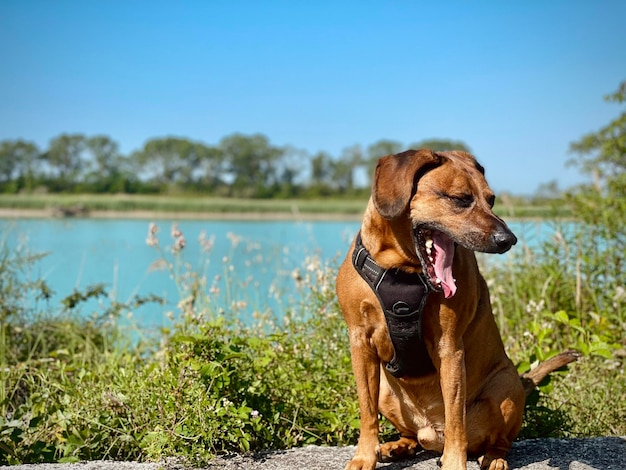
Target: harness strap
402 296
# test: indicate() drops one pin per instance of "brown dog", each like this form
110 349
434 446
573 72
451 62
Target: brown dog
456 392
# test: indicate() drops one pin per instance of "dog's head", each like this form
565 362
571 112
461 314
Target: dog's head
447 200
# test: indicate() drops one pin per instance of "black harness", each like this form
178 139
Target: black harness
402 296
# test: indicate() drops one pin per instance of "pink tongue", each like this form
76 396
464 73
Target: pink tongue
444 249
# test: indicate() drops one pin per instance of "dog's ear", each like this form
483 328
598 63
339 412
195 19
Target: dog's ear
396 178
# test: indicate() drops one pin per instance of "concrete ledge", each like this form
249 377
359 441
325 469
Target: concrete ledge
604 453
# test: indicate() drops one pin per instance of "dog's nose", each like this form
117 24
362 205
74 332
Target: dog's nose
504 239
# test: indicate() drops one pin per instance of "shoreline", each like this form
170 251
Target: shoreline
272 216
6 213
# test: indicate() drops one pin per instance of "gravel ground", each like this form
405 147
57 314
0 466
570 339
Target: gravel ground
606 453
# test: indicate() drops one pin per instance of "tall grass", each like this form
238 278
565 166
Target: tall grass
569 293
74 386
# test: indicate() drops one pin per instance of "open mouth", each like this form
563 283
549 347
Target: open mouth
435 251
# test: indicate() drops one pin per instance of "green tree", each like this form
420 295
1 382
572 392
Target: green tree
18 162
441 145
289 170
378 150
171 160
7 161
251 162
389 147
210 168
65 158
106 155
547 191
600 207
344 167
321 174
109 170
321 168
602 154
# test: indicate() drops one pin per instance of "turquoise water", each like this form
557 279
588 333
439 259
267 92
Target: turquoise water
249 263
248 266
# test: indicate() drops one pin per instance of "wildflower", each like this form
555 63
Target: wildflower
254 414
179 239
187 303
179 244
152 239
620 296
158 265
312 264
206 243
533 307
295 274
234 239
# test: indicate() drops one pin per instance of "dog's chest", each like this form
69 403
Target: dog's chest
402 296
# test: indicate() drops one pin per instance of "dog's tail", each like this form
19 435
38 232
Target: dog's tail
532 378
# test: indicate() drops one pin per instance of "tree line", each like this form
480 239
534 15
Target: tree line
238 165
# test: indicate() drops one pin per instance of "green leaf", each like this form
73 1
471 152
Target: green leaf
562 317
523 366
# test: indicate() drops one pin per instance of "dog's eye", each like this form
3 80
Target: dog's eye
491 200
462 200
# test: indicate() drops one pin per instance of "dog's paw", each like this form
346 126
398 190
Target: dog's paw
361 463
452 462
492 463
397 450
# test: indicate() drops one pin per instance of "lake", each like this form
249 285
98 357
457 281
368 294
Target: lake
247 266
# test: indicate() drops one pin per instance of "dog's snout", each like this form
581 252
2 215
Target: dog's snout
503 239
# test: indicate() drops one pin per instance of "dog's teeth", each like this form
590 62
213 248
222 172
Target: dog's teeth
429 247
437 280
431 259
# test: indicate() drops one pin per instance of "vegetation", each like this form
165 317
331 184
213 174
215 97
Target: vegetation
77 174
73 386
181 204
243 166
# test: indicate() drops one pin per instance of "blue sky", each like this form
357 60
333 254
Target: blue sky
517 81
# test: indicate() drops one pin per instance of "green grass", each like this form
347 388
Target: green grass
183 203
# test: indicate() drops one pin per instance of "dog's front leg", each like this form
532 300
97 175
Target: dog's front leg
453 389
366 368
